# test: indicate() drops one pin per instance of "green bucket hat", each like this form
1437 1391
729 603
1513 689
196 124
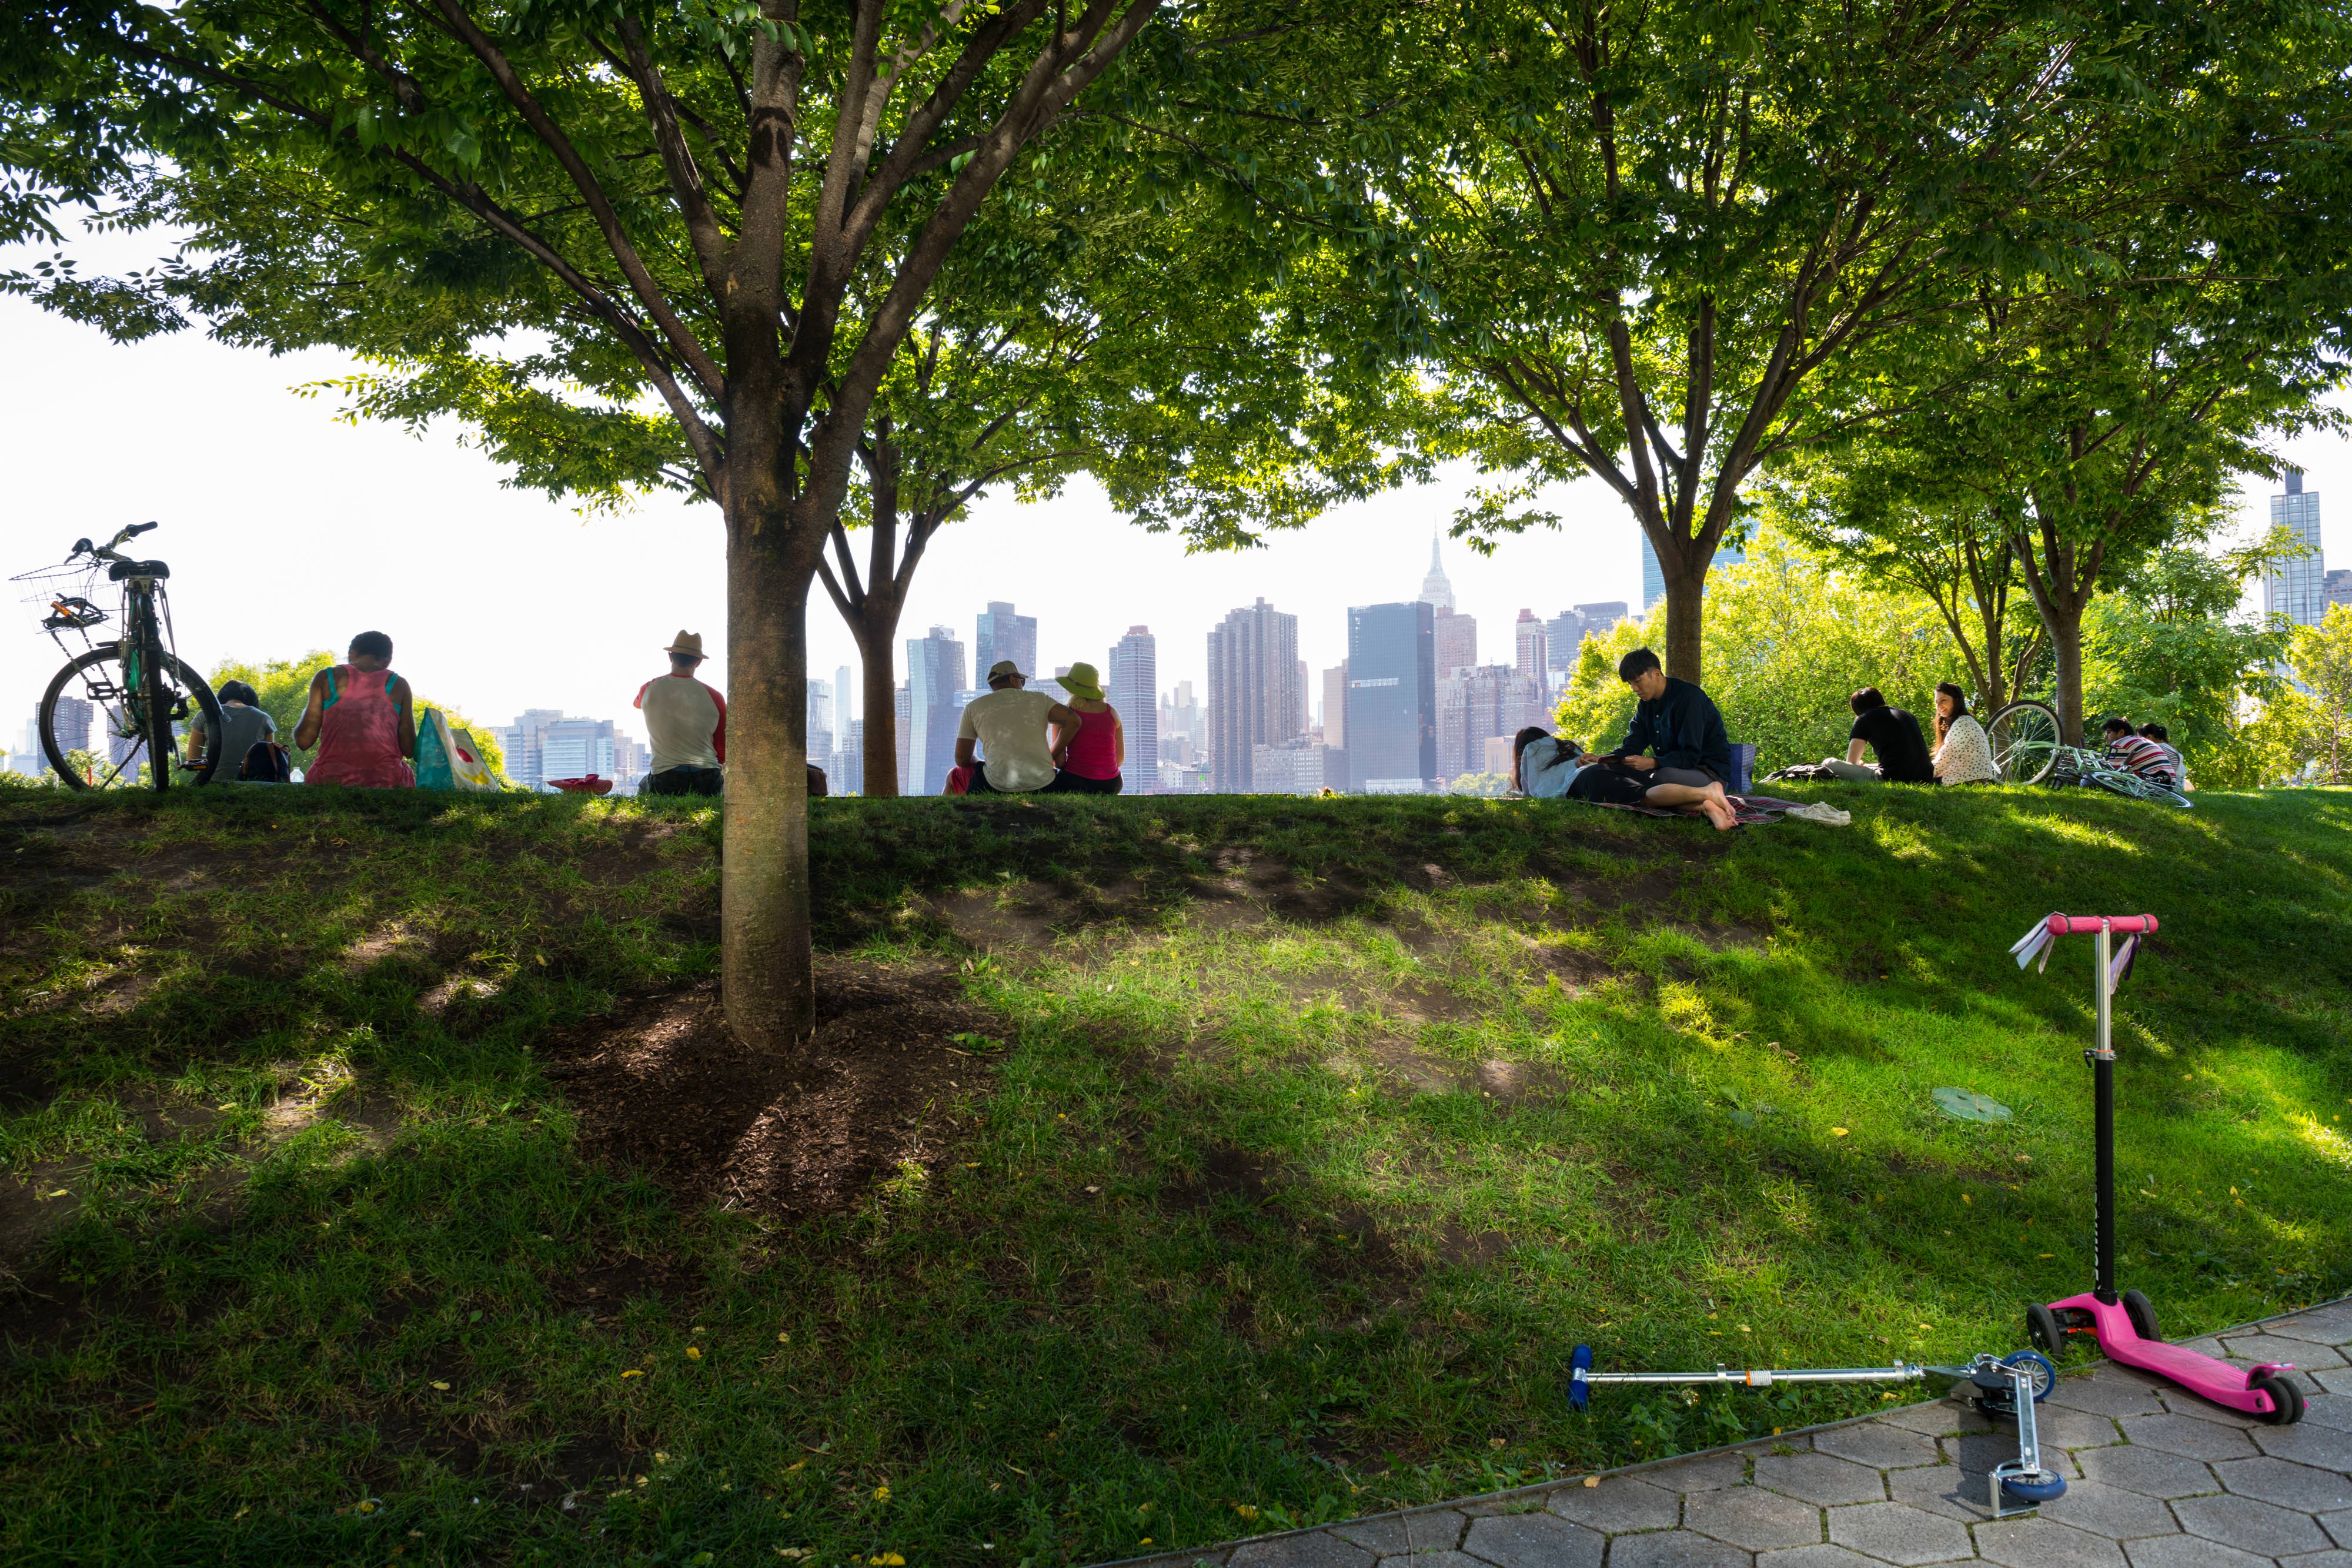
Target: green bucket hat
1084 681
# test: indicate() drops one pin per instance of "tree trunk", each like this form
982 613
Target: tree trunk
765 948
2065 627
1685 593
876 630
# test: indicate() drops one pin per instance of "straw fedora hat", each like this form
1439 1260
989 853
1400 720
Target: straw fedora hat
689 642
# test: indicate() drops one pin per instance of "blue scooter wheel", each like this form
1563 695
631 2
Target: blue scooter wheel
2045 1376
2044 1488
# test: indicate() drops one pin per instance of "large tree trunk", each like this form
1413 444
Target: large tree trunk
876 630
1685 596
2065 628
766 954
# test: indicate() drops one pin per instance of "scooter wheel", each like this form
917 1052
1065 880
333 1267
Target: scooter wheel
2286 1399
2142 1313
2041 1328
2047 1487
2045 1376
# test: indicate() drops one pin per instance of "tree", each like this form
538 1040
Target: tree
725 211
2314 723
1640 235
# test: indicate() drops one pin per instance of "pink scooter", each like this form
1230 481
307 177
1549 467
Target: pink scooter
2125 1324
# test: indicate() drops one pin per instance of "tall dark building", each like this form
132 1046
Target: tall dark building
1132 683
935 674
1002 634
1392 721
1255 698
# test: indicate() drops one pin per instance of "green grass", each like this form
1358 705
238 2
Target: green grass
1317 1133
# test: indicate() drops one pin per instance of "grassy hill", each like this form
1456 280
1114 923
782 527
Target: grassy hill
382 1189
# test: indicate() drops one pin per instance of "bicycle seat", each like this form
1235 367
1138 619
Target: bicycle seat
122 569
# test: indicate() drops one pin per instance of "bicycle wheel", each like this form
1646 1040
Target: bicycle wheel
2025 739
90 692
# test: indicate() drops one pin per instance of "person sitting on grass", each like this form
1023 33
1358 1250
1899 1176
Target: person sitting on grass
687 722
1092 747
2163 737
1010 721
1676 743
1963 752
1542 765
363 719
245 724
2136 753
1893 734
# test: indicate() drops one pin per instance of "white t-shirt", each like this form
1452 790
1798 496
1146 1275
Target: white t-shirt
1011 728
686 720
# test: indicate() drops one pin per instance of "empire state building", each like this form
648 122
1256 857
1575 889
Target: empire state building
1434 588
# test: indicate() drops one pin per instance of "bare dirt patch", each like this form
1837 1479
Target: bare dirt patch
662 1087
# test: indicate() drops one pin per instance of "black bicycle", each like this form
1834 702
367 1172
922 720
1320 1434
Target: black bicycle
142 690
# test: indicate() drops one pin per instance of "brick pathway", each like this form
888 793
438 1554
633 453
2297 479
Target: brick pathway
2156 1478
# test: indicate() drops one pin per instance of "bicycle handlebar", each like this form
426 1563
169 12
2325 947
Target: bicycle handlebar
105 551
2083 925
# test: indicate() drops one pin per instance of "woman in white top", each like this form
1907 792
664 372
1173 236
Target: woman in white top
1963 755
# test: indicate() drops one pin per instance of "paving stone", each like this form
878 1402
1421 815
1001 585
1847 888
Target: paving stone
2334 1380
1881 1443
1618 1502
1938 1417
2287 1485
1753 1517
1397 1535
2044 1543
2189 1438
2148 1470
1319 1549
2111 1511
2250 1524
1675 1549
2331 1558
2189 1551
2322 1325
1820 1478
1895 1533
2104 1393
2307 1445
1705 1473
2065 1428
2339 1525
1947 1490
1817 1555
1980 1451
1448 1559
1533 1540
2330 1410
2262 1347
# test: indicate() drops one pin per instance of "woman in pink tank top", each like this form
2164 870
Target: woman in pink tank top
363 719
1090 754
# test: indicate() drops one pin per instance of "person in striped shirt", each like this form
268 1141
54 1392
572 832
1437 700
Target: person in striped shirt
2135 753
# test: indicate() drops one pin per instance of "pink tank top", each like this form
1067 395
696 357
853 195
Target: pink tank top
359 732
1094 751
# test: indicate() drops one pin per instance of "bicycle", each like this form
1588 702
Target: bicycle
137 681
2075 767
2026 739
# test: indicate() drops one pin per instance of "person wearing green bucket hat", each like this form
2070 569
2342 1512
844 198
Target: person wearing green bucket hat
1091 750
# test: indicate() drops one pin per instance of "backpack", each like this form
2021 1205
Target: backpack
266 762
448 757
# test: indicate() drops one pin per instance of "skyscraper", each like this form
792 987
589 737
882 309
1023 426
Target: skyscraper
521 742
1182 736
2298 588
1435 590
1254 696
1334 706
1133 673
1392 717
1600 616
1457 640
1002 634
848 705
935 674
1534 659
819 721
1653 576
848 774
1478 705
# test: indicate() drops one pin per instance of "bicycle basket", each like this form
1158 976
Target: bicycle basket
58 598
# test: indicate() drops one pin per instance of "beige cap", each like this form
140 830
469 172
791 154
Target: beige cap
1004 668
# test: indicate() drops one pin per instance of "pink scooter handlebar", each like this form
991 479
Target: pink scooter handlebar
2084 925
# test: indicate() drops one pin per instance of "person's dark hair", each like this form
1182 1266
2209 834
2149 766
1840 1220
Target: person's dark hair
1959 707
375 644
1638 662
2115 726
998 682
1534 732
1863 701
2154 731
239 692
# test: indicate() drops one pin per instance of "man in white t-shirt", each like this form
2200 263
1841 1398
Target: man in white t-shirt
687 722
1009 723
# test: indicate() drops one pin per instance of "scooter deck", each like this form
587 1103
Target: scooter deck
2209 1377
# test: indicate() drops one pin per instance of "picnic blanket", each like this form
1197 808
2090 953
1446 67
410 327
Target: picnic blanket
1749 810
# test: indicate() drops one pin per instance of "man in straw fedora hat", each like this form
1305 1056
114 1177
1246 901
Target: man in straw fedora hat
688 722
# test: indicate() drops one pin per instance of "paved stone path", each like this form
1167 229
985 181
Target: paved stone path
2156 1478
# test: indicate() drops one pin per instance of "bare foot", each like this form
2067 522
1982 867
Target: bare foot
1719 810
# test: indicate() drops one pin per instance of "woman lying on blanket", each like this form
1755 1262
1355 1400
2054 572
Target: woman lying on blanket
1546 767
1675 755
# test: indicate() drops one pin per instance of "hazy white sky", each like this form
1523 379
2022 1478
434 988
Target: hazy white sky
287 530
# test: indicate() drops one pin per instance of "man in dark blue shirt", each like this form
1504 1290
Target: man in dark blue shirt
1677 740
